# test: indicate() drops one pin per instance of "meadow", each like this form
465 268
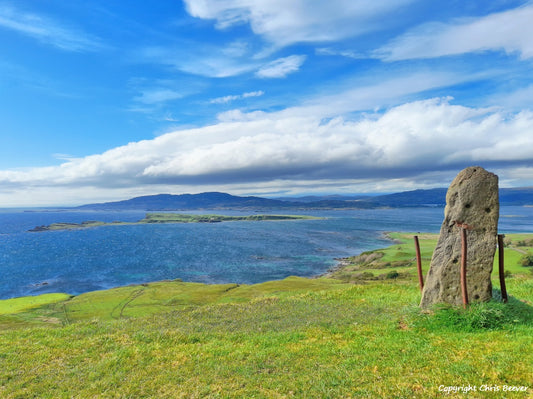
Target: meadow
357 332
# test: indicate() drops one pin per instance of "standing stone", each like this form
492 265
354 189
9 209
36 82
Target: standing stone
471 203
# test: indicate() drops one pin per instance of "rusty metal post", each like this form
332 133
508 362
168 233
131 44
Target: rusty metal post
464 248
501 268
419 264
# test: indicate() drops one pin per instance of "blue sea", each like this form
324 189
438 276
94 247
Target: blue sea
229 252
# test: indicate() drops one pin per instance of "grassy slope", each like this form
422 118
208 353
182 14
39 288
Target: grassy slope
17 305
291 338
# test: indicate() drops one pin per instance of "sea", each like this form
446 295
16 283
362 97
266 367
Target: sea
243 252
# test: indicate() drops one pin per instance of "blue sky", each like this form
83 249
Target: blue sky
105 100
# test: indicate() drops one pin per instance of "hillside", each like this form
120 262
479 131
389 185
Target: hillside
167 202
355 335
216 200
432 197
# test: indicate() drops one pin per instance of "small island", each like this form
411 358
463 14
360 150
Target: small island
151 218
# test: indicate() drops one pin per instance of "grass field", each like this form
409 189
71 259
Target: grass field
347 335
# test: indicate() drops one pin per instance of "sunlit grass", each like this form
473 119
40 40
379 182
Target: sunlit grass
17 305
314 338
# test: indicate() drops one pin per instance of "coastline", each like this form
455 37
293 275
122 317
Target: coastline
167 218
390 262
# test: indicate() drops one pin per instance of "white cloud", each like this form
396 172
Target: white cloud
47 30
389 91
281 67
343 53
225 99
228 99
219 62
202 60
406 142
257 93
285 22
508 31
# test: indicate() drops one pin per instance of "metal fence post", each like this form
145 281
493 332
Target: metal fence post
419 263
464 248
501 268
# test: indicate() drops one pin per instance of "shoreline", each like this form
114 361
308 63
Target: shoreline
345 261
342 263
168 218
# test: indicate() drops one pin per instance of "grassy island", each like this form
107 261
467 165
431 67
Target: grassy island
169 218
357 332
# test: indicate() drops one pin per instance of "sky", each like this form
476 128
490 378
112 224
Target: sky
109 99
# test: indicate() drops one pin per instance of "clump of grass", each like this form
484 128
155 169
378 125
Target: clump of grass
527 260
493 315
392 274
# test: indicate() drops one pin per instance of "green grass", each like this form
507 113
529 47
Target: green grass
18 305
301 338
401 257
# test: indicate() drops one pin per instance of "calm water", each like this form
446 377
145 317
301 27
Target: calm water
239 252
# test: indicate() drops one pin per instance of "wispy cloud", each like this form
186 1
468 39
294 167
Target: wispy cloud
47 30
508 31
201 60
286 22
517 99
343 53
158 95
155 97
221 62
228 99
281 67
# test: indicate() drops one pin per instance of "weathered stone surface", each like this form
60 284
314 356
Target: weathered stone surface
472 202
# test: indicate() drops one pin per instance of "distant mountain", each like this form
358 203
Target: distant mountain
216 200
415 198
437 197
169 202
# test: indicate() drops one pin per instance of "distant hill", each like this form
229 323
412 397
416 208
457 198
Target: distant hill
437 197
169 202
415 198
216 200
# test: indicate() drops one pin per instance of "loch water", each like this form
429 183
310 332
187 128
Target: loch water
244 252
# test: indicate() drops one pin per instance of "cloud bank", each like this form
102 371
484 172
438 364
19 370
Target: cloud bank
406 141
